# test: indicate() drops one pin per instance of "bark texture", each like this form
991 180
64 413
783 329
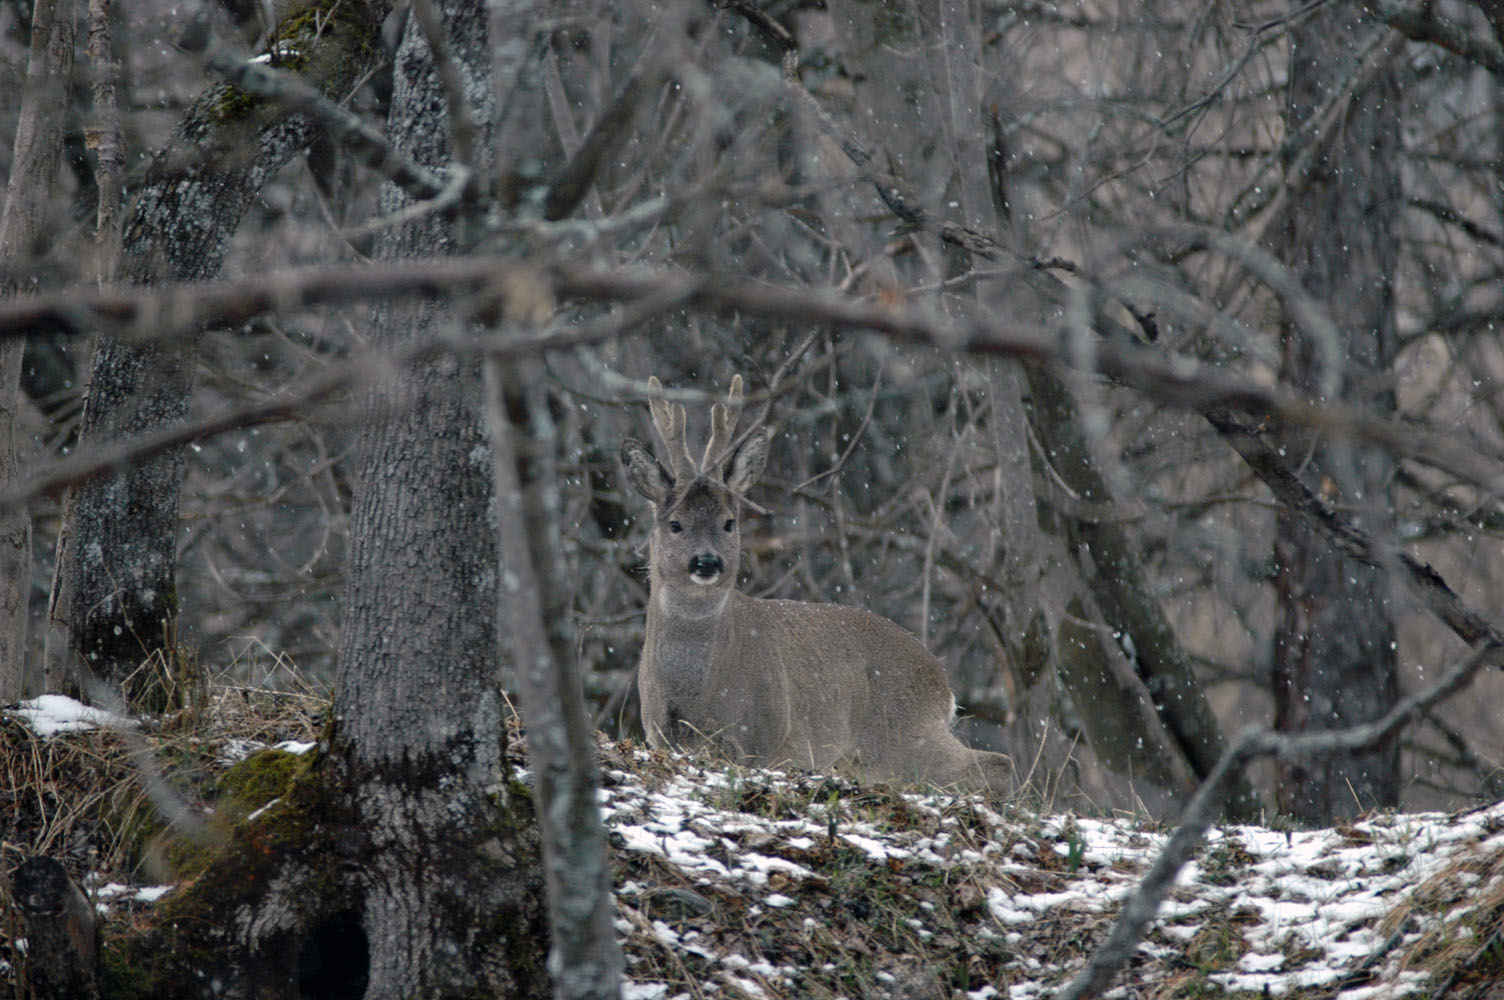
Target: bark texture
405 861
1334 649
62 940
124 532
418 704
23 228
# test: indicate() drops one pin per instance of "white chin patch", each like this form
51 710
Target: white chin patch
704 581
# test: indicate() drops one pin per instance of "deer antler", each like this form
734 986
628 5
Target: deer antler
722 422
668 418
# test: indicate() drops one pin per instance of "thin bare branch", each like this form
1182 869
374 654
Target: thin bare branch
1138 912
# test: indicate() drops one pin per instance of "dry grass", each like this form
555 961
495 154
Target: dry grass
101 801
1464 952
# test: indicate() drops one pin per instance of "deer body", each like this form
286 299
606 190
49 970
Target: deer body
773 682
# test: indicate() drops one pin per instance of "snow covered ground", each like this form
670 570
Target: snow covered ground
1352 912
742 883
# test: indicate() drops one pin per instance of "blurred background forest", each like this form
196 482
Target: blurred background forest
1303 197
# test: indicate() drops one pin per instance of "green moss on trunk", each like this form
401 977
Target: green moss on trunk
276 897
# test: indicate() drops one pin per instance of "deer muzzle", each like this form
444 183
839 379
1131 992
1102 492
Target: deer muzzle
706 568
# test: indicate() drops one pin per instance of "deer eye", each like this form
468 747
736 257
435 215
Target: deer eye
730 523
675 527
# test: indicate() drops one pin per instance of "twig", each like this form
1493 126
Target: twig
104 137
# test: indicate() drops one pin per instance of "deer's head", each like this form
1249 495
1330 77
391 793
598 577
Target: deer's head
695 546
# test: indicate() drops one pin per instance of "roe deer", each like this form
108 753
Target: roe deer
770 682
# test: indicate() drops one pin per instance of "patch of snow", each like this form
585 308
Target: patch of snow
644 991
1310 906
1256 961
116 893
874 849
1320 895
50 714
236 750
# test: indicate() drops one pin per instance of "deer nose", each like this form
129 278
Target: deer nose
706 567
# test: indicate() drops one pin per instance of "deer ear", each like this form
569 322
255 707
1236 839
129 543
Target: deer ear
746 463
646 474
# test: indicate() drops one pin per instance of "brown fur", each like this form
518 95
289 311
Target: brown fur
775 683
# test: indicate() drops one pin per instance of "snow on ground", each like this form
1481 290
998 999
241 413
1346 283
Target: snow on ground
55 713
1331 909
743 883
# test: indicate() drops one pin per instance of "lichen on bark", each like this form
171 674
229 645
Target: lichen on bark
123 543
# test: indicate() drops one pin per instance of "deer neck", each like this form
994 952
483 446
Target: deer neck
684 636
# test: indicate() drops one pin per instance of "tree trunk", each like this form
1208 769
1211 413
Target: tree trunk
418 706
23 227
123 538
1334 648
62 939
1121 589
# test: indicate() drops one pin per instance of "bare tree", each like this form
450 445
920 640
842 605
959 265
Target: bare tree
23 225
1064 316
120 568
1334 650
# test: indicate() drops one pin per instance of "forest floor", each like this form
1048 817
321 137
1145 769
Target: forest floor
734 882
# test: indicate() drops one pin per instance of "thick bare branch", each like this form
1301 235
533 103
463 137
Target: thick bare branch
1421 22
369 147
